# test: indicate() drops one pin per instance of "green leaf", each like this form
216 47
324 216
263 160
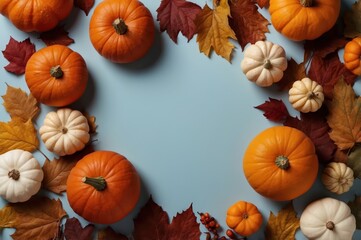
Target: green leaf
354 161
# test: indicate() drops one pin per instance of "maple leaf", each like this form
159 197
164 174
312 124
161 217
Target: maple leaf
352 20
214 31
274 110
284 225
7 217
19 104
37 218
344 116
176 16
18 54
84 5
18 134
295 71
109 234
320 72
354 160
355 206
263 3
248 24
74 231
58 35
152 223
56 173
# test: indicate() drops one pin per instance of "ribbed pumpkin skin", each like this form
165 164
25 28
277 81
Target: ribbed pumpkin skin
53 91
298 23
35 15
119 197
133 44
266 177
352 56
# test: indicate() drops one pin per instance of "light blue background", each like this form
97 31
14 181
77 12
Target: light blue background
183 120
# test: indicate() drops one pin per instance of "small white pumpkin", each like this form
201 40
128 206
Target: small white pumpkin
65 131
306 95
264 63
328 219
337 177
20 175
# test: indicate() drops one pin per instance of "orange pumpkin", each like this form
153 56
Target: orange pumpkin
244 218
122 31
304 19
280 163
103 187
36 15
56 75
352 56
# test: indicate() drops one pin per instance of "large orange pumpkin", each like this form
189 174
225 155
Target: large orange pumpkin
36 15
280 163
103 187
122 31
352 56
304 19
56 75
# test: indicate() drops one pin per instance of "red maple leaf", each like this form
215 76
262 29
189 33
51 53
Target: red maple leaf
74 231
152 223
18 54
327 71
274 110
84 5
262 3
176 16
295 71
248 24
57 35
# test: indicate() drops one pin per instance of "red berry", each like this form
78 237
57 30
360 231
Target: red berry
230 234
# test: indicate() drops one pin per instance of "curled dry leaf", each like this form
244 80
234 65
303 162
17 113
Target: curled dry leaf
91 122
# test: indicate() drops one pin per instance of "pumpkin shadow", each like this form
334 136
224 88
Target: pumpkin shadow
88 96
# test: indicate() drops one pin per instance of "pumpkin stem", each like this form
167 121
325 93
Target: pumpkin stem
311 95
282 162
330 225
14 174
267 64
56 71
244 215
306 3
120 26
98 183
64 130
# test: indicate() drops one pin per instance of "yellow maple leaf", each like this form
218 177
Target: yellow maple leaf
214 31
284 225
18 134
7 217
19 104
344 116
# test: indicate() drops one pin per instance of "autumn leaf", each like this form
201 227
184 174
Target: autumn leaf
109 234
184 226
84 5
263 3
355 206
19 104
284 225
56 173
58 35
320 72
18 54
354 160
274 110
214 31
352 20
295 71
17 134
91 123
344 116
176 16
74 231
7 217
248 24
340 156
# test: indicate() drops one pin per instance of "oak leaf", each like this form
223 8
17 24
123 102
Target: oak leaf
295 71
352 20
214 31
84 5
248 24
18 134
58 35
344 116
284 225
274 110
355 206
109 234
354 160
176 16
7 217
20 104
18 54
74 231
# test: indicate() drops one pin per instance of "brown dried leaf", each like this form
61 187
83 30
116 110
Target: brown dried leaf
109 234
84 5
7 217
74 231
352 20
91 122
263 3
295 71
355 206
58 35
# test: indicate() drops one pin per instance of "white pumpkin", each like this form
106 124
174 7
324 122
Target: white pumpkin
306 95
337 177
65 131
264 63
328 219
20 175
